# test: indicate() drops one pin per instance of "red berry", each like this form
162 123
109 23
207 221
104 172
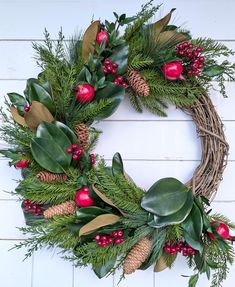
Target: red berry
172 71
26 202
190 250
167 249
84 93
201 59
196 72
104 243
105 70
99 243
36 214
24 163
97 237
185 44
200 66
93 161
181 53
118 241
119 233
92 155
107 62
177 249
180 47
101 36
195 66
190 55
114 71
74 146
124 84
83 198
185 253
189 72
119 78
115 65
103 238
79 151
173 249
172 253
116 82
110 240
194 252
190 46
199 49
69 150
195 53
27 108
115 234
75 157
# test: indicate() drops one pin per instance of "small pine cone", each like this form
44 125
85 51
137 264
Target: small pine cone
138 254
45 176
137 83
82 133
66 208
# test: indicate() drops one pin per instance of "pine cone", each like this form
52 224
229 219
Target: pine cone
45 176
82 133
138 254
137 83
66 208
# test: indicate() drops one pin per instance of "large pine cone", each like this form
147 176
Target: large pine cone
82 133
66 208
45 176
137 256
137 83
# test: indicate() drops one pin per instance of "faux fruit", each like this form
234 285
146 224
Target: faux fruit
173 71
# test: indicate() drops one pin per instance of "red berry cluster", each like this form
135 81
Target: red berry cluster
119 81
92 158
113 237
32 207
75 150
174 248
191 57
24 163
27 108
109 67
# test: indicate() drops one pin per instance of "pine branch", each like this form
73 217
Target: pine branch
134 100
139 61
222 218
93 139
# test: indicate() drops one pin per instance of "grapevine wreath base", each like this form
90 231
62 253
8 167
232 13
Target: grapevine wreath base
94 213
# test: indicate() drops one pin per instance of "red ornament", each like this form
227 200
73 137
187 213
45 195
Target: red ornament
172 71
84 93
27 108
222 230
101 36
24 163
83 198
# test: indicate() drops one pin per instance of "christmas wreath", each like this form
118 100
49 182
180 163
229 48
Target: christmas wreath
95 213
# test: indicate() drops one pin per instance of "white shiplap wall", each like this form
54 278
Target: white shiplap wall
151 147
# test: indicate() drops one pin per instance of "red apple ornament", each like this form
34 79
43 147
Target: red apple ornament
101 36
24 163
83 198
84 93
222 230
172 71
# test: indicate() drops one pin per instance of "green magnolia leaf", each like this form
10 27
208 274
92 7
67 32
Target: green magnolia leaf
176 218
120 57
74 228
213 71
165 197
192 227
111 91
103 270
49 155
18 101
66 130
86 214
49 148
117 164
40 94
27 90
193 280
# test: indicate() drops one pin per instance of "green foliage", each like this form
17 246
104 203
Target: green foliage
174 233
51 57
53 233
49 193
120 190
134 100
139 62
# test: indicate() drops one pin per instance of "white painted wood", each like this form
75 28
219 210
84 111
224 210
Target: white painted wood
171 147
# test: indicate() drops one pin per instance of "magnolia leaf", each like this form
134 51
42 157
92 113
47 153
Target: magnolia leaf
165 197
106 199
175 218
98 222
160 264
17 117
104 269
213 71
170 36
160 25
89 39
117 164
18 101
88 213
69 133
38 113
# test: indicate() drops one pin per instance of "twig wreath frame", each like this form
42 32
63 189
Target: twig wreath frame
96 214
